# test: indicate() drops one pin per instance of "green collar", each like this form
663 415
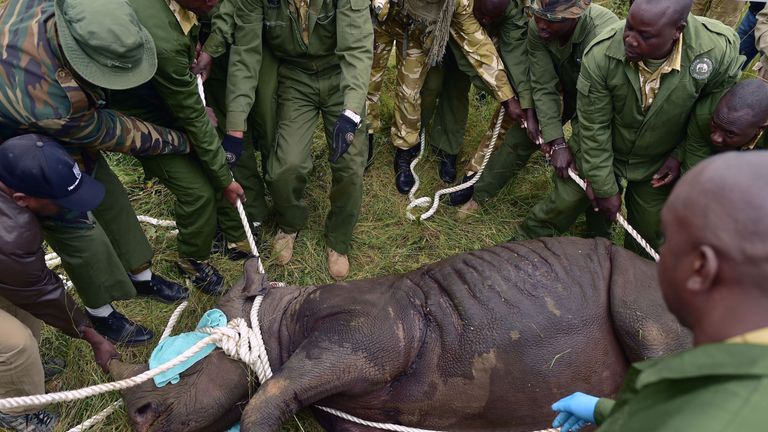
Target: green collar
710 360
695 41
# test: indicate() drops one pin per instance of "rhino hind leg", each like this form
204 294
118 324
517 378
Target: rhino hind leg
644 326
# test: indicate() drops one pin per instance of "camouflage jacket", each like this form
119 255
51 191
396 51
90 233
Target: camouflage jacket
38 94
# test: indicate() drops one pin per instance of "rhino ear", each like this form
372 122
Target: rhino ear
255 283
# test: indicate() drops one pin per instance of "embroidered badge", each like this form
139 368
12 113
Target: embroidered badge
702 68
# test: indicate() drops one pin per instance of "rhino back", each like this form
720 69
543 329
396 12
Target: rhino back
508 330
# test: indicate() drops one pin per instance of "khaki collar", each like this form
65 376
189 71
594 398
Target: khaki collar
673 61
187 20
756 337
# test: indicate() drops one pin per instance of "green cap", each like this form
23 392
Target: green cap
105 43
558 10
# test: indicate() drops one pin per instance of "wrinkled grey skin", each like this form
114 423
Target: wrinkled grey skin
484 341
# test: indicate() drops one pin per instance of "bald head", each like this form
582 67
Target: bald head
714 265
488 12
750 96
666 11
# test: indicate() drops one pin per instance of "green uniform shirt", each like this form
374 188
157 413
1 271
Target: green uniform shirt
617 137
176 85
222 28
557 69
718 387
340 34
39 94
511 32
698 145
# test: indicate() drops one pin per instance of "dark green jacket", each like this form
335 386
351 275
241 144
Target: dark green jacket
617 137
512 33
340 34
698 145
555 69
177 87
222 28
713 388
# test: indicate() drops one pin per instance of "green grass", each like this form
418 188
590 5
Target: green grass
385 243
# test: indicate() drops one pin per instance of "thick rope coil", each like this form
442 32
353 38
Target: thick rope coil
435 202
623 222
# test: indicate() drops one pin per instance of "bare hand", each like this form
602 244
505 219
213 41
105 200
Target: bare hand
233 192
609 207
212 116
667 174
534 134
514 111
561 157
202 66
103 350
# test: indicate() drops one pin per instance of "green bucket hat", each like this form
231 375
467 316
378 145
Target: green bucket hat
105 43
558 10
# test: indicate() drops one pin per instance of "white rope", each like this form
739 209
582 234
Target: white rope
435 202
623 222
98 418
158 222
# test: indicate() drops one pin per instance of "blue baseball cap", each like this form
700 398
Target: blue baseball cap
39 167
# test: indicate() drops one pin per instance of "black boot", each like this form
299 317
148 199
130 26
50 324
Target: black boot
369 162
161 289
448 167
403 178
204 276
120 330
463 196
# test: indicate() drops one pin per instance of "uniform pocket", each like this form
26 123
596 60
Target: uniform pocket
359 4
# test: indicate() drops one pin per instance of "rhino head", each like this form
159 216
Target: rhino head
211 394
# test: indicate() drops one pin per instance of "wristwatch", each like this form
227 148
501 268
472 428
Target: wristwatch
351 114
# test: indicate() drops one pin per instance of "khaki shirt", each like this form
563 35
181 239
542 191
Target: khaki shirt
650 80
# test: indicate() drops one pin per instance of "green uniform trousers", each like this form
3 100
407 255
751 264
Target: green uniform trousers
260 136
560 209
507 159
445 95
195 206
98 256
301 97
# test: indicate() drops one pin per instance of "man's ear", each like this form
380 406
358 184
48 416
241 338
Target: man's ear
20 199
679 29
704 272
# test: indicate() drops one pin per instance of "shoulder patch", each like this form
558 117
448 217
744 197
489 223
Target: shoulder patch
701 68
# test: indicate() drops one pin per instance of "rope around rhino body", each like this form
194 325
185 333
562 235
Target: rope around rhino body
238 340
435 202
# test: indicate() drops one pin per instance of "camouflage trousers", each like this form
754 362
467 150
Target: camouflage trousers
726 11
411 46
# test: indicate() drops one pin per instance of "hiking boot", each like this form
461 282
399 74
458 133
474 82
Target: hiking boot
338 265
282 247
447 168
161 289
467 210
203 276
461 197
369 161
120 330
52 366
404 180
40 421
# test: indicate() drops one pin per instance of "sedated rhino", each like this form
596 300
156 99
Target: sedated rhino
483 341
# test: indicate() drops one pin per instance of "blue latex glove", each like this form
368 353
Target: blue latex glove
235 428
233 149
574 412
343 136
171 347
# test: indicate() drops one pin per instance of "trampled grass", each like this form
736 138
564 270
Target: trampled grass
385 243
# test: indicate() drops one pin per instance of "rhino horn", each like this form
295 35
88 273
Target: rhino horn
120 370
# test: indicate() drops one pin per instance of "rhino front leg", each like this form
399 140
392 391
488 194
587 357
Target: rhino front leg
317 370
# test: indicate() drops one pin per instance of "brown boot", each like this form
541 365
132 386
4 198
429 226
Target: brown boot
467 210
338 265
282 247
